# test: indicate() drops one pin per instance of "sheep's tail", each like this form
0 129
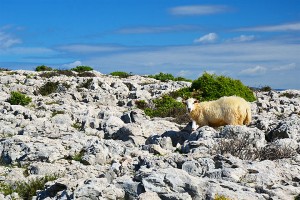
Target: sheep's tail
248 116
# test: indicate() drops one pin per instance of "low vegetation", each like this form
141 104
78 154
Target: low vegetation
221 197
48 88
57 73
168 77
86 84
57 112
288 95
26 190
81 69
165 107
243 149
17 98
43 68
213 87
120 74
86 74
206 87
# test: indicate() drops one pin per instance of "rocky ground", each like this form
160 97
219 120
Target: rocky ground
99 145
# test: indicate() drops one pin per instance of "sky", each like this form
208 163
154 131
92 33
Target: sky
255 41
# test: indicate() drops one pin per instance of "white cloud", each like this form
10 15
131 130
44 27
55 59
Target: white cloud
258 70
27 51
211 37
83 48
158 29
73 64
274 28
184 73
242 38
198 10
6 40
285 67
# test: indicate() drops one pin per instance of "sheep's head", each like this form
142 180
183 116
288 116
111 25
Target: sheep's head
190 103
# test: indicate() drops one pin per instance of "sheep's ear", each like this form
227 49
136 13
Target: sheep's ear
196 101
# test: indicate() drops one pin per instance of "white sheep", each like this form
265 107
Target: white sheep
231 110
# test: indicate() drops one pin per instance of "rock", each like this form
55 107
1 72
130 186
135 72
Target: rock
288 128
98 188
192 167
132 189
253 135
156 149
149 195
98 143
112 125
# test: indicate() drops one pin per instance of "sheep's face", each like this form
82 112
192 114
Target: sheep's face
190 104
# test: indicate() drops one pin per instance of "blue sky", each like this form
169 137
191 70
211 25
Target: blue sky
256 41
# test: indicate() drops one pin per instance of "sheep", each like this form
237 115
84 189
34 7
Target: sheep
231 110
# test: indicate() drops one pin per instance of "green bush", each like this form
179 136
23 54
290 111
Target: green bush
57 112
82 69
141 104
214 87
179 78
17 98
86 74
168 107
86 84
221 197
120 74
65 72
186 93
163 77
57 73
48 88
43 68
27 190
168 77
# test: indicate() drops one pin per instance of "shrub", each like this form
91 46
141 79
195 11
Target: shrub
273 151
163 77
48 88
17 98
214 87
168 77
186 93
43 68
65 72
57 112
48 74
167 107
141 104
82 69
86 84
179 78
77 126
120 74
243 149
239 147
288 95
265 89
57 73
221 197
27 190
86 74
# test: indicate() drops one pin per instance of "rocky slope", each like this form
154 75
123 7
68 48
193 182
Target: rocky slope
99 145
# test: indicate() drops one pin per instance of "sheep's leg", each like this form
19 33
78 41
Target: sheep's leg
194 125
